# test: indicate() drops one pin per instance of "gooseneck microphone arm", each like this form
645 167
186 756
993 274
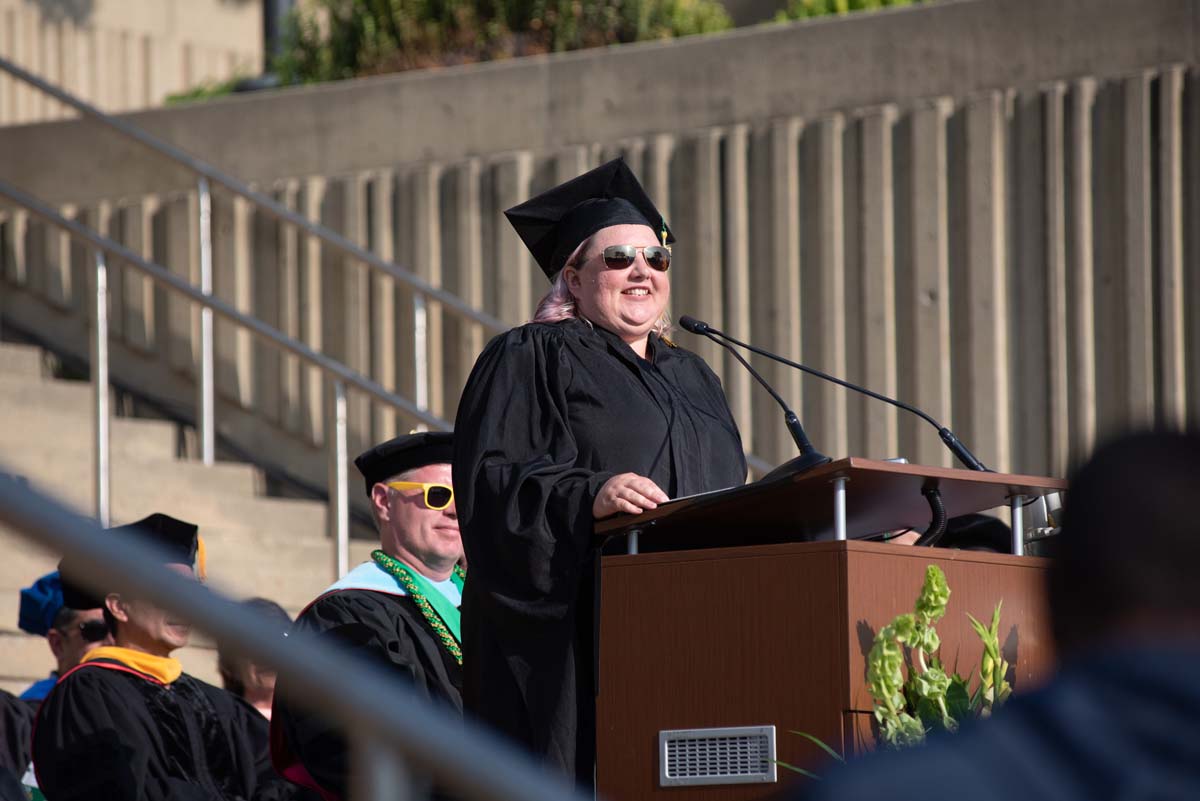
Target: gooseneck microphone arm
809 455
961 451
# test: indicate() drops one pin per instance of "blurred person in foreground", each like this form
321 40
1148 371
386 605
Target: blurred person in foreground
1119 720
69 618
253 683
128 723
400 610
586 412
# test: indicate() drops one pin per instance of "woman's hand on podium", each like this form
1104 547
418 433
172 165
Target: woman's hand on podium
629 493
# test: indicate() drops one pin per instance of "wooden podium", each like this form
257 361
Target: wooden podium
748 613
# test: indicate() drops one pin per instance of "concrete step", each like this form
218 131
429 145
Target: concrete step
45 395
22 360
129 474
72 436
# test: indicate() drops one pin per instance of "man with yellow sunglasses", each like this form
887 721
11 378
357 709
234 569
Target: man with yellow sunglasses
401 608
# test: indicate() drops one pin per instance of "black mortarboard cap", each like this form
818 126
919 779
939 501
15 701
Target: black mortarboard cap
555 222
404 453
177 537
76 595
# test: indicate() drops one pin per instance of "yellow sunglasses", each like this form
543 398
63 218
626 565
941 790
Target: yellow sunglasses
437 496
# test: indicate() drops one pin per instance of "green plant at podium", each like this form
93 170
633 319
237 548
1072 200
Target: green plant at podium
912 691
907 707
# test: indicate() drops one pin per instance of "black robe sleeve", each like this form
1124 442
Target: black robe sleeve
521 492
385 631
16 727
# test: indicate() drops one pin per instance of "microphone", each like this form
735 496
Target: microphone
809 456
952 442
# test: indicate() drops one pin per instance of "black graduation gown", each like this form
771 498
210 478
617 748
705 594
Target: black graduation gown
1116 724
108 731
384 628
551 412
16 725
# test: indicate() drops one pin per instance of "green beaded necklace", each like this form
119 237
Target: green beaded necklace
412 584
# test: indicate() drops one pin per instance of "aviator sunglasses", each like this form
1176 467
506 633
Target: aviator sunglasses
437 496
618 257
90 630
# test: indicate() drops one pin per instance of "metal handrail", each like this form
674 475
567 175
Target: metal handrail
277 210
348 691
206 172
340 373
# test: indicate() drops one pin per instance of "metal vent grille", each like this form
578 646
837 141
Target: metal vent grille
736 755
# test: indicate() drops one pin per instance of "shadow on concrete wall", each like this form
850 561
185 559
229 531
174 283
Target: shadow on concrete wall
78 11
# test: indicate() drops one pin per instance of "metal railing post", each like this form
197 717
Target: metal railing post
421 352
205 398
380 774
100 390
339 493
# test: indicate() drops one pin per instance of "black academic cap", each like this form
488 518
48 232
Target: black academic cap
555 222
177 537
76 595
404 453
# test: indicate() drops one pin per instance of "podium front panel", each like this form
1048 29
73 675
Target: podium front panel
777 635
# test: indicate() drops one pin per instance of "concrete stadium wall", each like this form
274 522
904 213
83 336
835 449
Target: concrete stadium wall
986 207
123 54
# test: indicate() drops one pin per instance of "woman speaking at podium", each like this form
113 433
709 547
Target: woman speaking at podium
586 412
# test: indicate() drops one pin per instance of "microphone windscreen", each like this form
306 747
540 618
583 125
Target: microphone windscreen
692 324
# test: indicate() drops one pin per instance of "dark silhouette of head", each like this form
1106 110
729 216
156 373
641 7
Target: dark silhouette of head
1130 545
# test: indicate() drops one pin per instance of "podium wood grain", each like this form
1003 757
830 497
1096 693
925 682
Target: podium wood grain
778 634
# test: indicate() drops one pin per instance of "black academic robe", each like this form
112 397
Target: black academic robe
108 731
386 629
551 412
16 726
1117 724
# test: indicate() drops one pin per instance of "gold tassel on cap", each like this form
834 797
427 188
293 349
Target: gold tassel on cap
201 559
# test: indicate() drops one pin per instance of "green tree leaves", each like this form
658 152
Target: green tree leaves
347 38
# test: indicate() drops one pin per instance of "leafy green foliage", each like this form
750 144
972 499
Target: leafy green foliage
913 694
349 38
206 91
806 9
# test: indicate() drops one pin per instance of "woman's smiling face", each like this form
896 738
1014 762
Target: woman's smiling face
628 302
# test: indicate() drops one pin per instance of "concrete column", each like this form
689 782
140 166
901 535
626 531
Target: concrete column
57 286
16 263
656 168
513 264
355 312
181 255
383 302
824 285
981 330
265 287
1191 190
1058 314
876 300
428 265
735 211
137 291
1170 316
233 283
1139 286
464 271
922 279
775 281
312 286
697 286
292 249
1080 266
